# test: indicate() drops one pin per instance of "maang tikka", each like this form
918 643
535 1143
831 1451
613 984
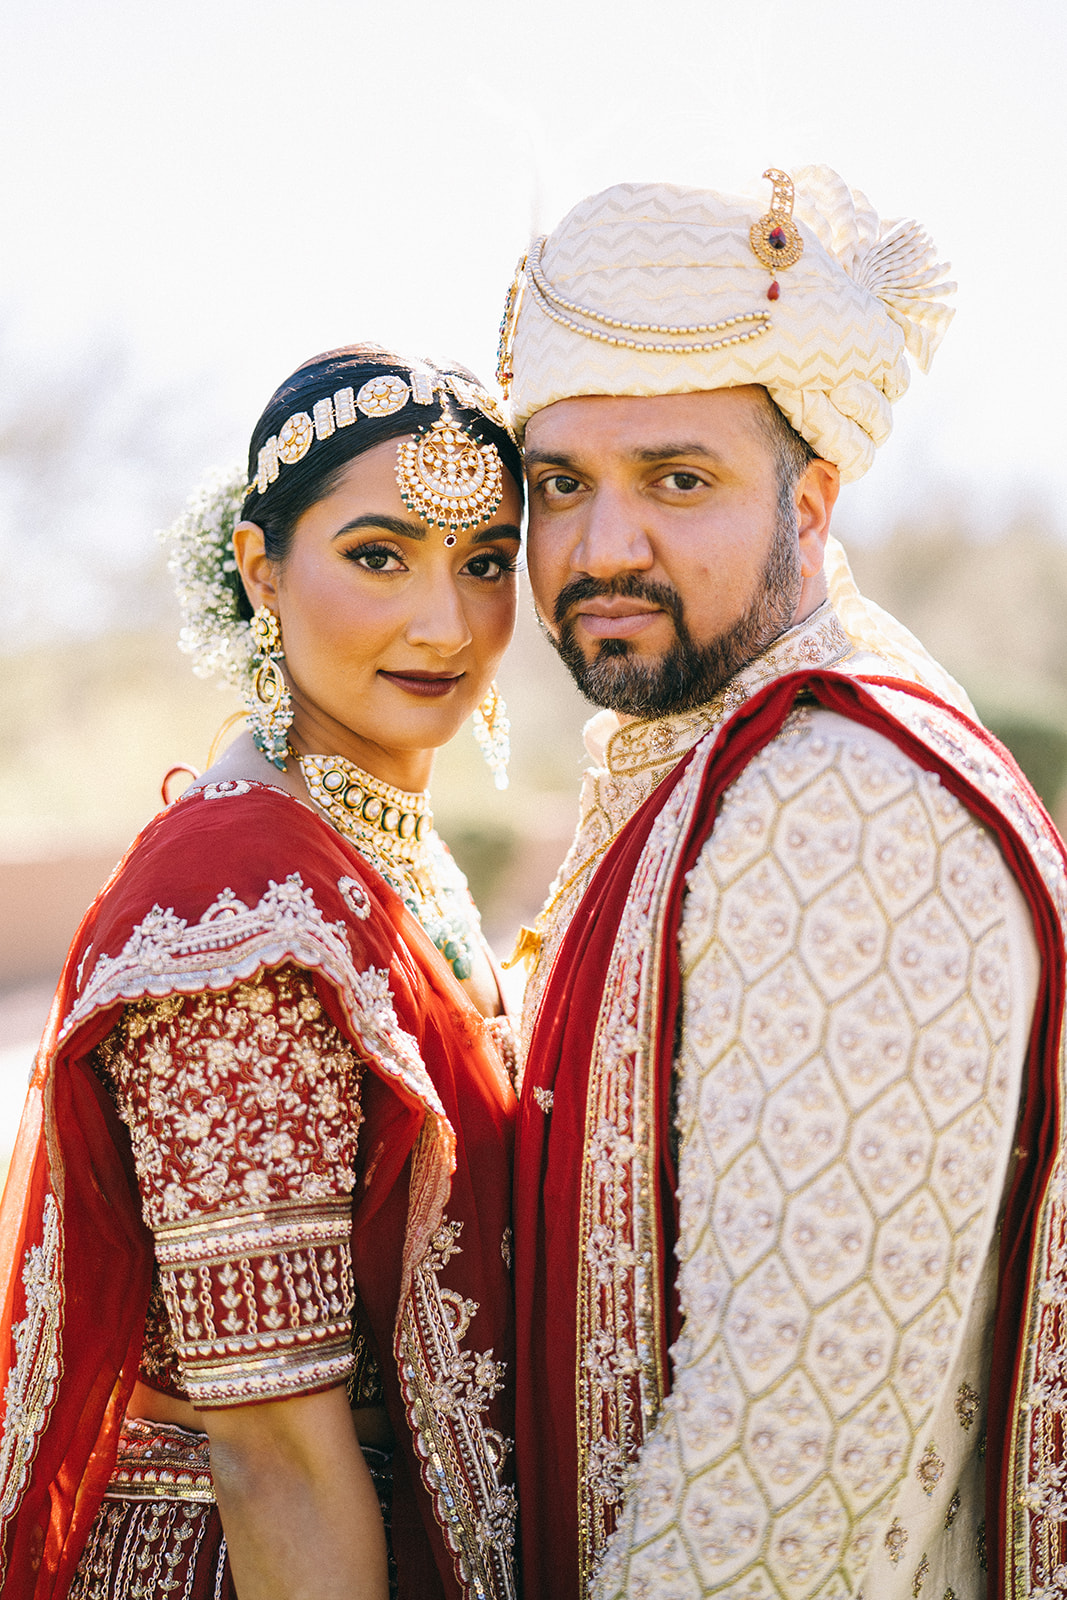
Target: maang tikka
448 478
270 706
491 729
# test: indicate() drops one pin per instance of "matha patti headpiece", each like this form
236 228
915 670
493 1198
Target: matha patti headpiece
381 396
448 478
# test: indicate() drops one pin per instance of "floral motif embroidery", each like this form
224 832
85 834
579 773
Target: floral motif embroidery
544 1098
968 1401
447 1391
236 1100
31 1385
922 1572
355 897
930 1470
222 791
243 1112
953 1509
895 1540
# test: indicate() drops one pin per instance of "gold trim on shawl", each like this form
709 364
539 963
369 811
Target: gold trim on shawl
621 1367
33 1381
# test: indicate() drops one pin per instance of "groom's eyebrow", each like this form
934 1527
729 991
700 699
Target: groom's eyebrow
647 455
550 458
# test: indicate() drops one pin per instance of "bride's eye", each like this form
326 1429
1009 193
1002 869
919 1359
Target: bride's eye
491 564
376 557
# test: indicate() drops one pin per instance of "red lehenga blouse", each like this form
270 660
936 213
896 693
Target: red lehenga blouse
261 1094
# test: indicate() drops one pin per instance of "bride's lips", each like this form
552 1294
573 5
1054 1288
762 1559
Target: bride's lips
427 685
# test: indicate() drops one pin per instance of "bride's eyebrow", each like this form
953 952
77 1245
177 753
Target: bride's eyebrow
503 530
399 526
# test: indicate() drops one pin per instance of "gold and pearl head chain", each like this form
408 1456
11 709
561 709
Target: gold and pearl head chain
393 823
381 396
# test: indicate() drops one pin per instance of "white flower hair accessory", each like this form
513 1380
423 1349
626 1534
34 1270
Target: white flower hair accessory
200 560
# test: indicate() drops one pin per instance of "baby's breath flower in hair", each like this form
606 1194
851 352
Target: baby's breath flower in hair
200 560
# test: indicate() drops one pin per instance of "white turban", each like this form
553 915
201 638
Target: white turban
629 266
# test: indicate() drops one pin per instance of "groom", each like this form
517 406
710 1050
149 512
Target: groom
788 1255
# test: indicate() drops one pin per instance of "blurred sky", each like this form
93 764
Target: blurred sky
231 185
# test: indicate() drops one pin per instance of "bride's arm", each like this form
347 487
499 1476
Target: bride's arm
298 1506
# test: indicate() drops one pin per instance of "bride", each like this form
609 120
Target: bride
256 1236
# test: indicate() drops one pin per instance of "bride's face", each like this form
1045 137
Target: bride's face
391 637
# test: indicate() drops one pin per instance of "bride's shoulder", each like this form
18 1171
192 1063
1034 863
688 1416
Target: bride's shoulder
241 762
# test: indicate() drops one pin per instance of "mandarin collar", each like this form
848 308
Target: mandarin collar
643 744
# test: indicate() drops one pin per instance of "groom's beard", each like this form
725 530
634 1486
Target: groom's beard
687 674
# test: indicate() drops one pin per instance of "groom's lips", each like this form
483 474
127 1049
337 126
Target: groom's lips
615 617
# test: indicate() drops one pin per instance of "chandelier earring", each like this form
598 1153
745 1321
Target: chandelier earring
491 729
270 706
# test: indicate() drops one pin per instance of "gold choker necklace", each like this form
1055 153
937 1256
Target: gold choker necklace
393 829
392 821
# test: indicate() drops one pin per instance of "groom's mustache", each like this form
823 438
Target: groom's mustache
626 586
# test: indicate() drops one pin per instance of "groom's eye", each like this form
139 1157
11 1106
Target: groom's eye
559 483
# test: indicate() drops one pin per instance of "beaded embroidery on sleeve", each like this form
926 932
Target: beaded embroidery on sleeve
243 1110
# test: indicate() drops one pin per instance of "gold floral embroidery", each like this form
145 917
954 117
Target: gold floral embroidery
930 1470
967 1404
447 1391
895 1540
922 1572
953 1509
244 1114
31 1384
237 1099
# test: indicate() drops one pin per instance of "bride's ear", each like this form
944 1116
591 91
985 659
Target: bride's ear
254 565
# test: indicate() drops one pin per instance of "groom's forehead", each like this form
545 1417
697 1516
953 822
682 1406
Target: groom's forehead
646 428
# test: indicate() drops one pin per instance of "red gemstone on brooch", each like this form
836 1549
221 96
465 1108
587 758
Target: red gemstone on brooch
776 237
773 292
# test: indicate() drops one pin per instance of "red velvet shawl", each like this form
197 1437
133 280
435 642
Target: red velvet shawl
1030 1323
224 884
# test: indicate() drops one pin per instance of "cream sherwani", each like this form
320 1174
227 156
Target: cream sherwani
858 973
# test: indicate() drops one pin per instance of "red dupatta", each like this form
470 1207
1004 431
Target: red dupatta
229 881
568 1441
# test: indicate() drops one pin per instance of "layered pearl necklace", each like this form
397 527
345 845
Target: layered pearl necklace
394 830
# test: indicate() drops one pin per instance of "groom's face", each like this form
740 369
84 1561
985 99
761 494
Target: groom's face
660 556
